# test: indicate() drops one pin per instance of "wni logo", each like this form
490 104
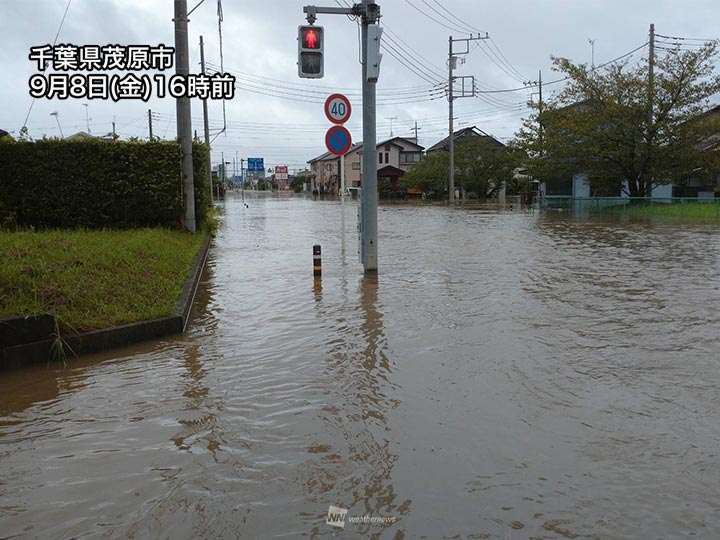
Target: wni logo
336 517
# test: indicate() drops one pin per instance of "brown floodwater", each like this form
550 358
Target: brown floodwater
508 374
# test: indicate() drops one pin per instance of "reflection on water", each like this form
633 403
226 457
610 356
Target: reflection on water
506 375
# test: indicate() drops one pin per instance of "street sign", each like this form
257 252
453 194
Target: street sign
256 165
281 172
338 140
337 109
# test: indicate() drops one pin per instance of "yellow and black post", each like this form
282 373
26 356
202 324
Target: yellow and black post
317 261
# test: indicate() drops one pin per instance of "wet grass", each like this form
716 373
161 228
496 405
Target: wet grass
94 279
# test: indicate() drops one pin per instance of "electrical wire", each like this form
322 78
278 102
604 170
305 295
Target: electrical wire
454 29
57 34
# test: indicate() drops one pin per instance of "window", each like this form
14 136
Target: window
380 156
387 159
356 166
409 157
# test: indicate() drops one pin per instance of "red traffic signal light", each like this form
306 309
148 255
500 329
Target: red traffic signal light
310 51
311 37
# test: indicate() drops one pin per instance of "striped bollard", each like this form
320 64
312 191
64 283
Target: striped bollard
317 261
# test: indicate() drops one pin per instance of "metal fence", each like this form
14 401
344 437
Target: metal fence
682 209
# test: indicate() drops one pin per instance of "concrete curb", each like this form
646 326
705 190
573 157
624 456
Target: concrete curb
31 340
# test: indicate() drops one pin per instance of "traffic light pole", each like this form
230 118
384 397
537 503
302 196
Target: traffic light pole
368 249
369 12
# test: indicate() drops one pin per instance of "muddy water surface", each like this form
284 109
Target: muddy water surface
507 375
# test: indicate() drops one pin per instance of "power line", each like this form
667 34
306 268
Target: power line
32 103
470 31
454 29
457 18
434 66
492 56
686 38
507 62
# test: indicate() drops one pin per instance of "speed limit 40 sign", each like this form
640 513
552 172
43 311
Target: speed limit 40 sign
337 108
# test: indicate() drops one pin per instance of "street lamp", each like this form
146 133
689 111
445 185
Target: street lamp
87 118
55 114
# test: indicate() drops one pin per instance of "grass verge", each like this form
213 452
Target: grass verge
94 279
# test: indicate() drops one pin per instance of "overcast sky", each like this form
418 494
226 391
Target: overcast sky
278 116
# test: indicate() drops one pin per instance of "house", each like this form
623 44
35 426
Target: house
325 172
396 156
471 133
703 183
461 135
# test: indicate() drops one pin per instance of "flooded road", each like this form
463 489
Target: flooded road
507 375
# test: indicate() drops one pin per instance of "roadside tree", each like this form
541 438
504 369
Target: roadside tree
616 123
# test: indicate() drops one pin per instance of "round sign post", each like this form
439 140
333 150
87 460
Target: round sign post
337 108
338 140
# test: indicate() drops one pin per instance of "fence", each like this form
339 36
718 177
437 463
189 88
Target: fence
682 209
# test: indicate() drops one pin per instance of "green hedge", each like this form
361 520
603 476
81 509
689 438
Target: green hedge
92 183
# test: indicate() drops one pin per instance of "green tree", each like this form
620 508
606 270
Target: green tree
298 183
482 165
430 175
615 125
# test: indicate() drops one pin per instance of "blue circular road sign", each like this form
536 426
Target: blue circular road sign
338 140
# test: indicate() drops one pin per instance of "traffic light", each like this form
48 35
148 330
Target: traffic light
310 52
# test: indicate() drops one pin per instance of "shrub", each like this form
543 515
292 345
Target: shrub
93 183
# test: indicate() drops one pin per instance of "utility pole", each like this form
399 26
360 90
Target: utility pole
651 73
184 121
391 118
651 96
368 249
415 129
87 118
150 124
242 177
452 59
540 106
206 120
451 140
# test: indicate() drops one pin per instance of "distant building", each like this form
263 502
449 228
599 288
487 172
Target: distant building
325 172
396 156
460 135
